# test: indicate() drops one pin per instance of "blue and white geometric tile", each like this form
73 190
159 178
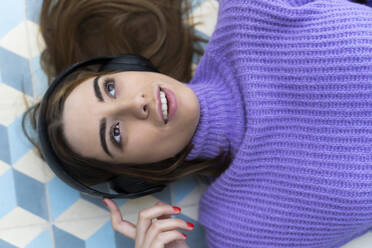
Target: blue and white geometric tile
8 199
15 71
82 228
39 79
104 237
12 13
22 236
44 239
19 145
12 104
24 40
33 8
33 166
61 197
194 196
132 207
31 195
4 244
64 239
183 187
4 167
20 217
82 209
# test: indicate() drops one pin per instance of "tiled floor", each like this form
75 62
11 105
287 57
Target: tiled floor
37 210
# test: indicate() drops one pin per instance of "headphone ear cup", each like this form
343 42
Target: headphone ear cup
129 185
128 62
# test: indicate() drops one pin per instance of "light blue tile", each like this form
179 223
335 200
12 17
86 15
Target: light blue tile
31 195
122 241
104 237
40 80
12 13
63 239
43 240
182 188
8 199
4 145
18 143
164 195
33 8
15 71
196 237
61 197
4 244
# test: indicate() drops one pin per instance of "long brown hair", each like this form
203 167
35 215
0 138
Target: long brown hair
170 50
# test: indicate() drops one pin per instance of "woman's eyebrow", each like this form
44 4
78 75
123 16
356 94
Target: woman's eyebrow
102 135
97 90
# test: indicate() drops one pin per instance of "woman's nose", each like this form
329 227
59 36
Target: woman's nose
137 106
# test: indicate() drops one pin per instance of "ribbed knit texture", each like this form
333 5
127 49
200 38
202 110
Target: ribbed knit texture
290 84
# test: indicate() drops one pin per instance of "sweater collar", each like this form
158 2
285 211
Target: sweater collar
221 111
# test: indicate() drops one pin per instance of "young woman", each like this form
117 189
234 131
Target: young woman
282 96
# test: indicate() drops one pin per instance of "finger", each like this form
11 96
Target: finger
163 217
166 238
124 227
161 226
145 219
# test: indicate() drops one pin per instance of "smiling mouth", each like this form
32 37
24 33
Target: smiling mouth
164 115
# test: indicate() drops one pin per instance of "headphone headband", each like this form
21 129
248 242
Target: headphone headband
121 186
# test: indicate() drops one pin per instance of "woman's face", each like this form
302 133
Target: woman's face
115 118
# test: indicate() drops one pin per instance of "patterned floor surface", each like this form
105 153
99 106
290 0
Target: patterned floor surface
37 210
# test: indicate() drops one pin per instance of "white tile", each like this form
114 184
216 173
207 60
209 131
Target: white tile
191 211
206 13
12 104
35 40
134 206
32 165
3 167
82 209
24 40
20 217
133 218
22 236
193 197
83 229
16 40
364 241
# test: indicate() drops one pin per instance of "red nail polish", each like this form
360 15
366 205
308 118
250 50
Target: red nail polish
184 235
190 224
177 209
104 202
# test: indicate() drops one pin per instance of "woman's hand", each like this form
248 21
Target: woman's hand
147 234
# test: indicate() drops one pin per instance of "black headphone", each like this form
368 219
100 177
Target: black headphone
121 186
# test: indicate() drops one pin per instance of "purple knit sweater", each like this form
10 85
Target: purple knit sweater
289 83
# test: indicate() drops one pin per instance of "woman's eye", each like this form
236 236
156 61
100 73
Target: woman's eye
116 133
110 87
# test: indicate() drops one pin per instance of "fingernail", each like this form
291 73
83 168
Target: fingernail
177 209
184 235
104 202
190 224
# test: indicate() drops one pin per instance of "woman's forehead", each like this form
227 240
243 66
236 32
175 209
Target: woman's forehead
79 118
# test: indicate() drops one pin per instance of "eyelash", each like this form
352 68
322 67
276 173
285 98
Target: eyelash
107 82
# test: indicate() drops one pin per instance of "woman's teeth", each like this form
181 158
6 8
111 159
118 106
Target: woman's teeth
164 105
